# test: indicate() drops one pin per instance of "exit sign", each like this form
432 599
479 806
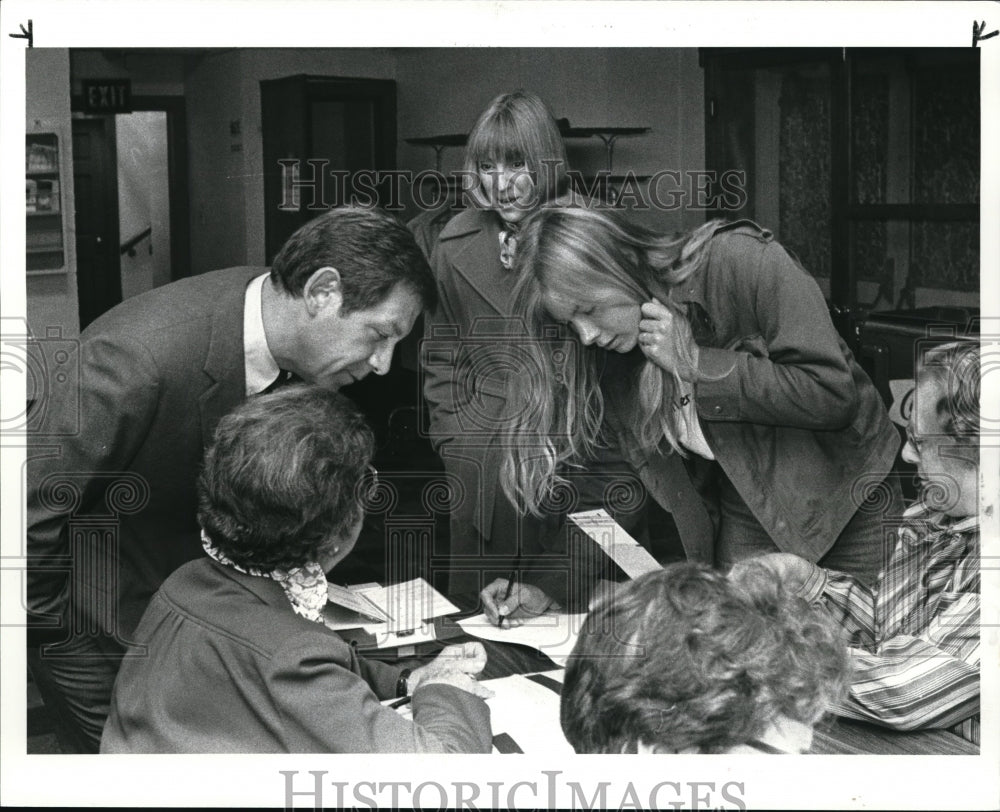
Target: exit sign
107 95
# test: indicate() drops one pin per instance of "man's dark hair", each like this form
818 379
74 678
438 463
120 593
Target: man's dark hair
371 249
686 659
282 477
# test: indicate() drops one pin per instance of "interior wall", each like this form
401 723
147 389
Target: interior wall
225 141
444 90
153 73
52 298
216 173
439 90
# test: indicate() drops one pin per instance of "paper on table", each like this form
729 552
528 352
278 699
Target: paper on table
552 634
528 712
620 547
523 713
356 602
409 603
405 605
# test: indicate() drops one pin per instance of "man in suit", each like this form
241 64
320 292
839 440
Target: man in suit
111 508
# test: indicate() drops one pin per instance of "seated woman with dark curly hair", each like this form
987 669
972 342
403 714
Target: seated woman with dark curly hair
686 660
232 654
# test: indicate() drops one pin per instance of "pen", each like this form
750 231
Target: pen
400 702
506 596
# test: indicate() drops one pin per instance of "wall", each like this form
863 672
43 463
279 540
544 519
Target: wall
438 90
444 90
217 182
153 73
52 298
227 190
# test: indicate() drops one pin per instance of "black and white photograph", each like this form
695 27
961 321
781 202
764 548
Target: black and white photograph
500 405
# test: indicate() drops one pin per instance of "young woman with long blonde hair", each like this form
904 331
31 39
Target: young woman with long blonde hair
712 358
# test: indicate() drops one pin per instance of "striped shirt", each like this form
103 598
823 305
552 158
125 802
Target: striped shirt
914 637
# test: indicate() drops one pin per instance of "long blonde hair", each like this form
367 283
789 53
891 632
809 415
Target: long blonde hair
556 410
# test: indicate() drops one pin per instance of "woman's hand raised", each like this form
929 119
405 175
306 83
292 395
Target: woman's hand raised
659 332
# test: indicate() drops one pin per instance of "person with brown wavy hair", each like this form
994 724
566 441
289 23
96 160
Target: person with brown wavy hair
686 660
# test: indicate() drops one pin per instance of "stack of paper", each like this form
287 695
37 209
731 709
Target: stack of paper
394 615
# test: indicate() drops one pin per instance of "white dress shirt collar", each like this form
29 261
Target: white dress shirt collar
259 365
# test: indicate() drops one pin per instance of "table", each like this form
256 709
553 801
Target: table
835 737
846 736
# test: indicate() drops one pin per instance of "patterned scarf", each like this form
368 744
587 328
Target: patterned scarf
304 586
508 247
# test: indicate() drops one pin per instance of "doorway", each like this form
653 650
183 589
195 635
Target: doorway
130 174
143 201
319 133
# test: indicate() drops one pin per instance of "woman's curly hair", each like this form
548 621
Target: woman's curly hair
686 659
282 476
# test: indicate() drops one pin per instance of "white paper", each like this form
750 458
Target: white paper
619 546
406 606
356 602
554 635
528 713
409 603
524 710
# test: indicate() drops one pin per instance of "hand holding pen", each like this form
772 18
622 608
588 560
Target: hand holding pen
507 602
504 609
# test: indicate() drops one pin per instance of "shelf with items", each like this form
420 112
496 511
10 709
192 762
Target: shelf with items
45 243
604 181
608 136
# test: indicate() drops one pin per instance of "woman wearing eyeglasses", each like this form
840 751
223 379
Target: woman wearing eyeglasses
232 654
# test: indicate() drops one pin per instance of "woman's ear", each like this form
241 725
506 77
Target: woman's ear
323 290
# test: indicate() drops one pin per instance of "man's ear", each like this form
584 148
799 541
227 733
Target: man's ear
323 290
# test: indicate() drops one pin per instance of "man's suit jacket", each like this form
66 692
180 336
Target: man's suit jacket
111 509
230 668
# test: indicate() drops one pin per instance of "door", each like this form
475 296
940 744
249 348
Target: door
319 132
141 158
96 198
